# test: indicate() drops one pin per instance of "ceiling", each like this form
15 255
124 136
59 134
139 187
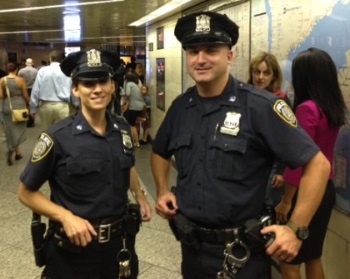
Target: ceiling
100 22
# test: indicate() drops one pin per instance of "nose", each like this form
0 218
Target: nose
201 57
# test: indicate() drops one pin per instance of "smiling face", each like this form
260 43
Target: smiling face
94 94
208 64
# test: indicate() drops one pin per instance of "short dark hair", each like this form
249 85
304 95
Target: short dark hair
12 66
57 56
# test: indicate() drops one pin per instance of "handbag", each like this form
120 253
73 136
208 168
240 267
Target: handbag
18 115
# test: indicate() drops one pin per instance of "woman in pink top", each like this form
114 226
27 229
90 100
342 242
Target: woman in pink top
320 109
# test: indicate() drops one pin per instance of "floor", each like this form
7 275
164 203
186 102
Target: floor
158 251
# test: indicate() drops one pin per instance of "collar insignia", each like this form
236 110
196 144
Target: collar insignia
202 23
94 58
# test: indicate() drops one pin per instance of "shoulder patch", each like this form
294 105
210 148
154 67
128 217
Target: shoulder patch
285 112
42 147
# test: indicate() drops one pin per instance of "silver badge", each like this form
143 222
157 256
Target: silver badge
94 58
202 23
231 124
127 142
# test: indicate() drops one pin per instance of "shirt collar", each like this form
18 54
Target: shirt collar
80 125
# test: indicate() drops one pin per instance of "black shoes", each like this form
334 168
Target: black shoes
142 142
9 157
18 157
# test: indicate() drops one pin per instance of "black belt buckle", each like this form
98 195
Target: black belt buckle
104 233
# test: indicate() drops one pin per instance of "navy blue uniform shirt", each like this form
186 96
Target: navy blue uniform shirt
224 149
88 174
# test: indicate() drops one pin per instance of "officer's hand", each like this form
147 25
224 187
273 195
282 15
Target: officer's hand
166 205
79 231
282 210
146 211
286 246
277 181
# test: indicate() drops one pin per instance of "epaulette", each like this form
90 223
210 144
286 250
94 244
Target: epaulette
120 118
188 90
61 124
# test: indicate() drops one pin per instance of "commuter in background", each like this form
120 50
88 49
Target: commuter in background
19 98
29 73
224 135
265 73
140 72
51 92
146 117
135 106
88 160
320 110
43 64
132 63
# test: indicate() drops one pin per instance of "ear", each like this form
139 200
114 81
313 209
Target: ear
75 91
230 56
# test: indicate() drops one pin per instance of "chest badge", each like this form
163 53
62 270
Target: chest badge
231 124
127 143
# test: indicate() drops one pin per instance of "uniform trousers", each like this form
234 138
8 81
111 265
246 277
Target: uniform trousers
207 261
95 261
52 112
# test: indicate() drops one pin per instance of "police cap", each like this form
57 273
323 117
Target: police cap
206 28
90 65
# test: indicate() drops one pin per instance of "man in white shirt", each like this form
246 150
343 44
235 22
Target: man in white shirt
51 92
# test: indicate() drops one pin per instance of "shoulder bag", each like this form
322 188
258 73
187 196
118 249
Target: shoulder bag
18 115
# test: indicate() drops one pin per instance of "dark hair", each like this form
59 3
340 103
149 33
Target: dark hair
11 67
314 77
132 77
56 56
272 63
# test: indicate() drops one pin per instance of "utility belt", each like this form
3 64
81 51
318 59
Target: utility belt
194 235
238 242
107 229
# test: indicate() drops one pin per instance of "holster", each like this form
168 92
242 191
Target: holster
133 219
38 230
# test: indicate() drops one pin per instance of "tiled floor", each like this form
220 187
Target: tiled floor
157 249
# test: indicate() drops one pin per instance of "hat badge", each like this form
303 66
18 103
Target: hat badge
202 23
94 58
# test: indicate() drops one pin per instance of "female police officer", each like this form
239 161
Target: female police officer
225 136
88 160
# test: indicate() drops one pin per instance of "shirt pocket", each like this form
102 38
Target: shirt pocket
181 145
87 177
228 157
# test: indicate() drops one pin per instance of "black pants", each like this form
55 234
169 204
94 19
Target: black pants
207 261
95 261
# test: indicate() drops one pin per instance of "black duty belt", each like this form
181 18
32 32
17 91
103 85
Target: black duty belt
106 228
220 236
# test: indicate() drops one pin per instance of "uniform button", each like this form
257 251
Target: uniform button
199 184
199 207
200 160
202 137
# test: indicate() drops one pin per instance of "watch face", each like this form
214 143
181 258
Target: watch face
302 233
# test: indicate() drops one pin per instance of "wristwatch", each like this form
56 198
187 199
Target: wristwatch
302 233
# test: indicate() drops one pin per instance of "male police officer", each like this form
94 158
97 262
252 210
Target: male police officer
225 135
88 160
